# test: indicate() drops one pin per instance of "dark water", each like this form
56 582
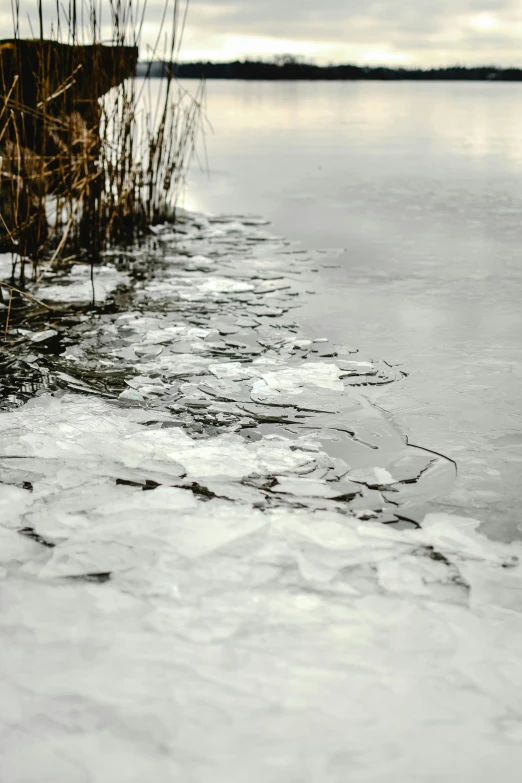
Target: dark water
422 186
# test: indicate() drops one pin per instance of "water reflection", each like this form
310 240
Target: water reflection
472 119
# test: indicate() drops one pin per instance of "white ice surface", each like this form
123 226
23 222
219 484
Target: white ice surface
6 263
245 634
232 644
77 287
285 379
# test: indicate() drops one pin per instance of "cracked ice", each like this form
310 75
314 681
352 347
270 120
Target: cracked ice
204 568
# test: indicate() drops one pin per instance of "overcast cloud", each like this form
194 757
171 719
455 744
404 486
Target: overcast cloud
420 32
409 32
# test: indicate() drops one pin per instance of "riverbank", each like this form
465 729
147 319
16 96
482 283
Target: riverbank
216 556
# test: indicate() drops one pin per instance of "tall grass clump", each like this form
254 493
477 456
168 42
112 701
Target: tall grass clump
90 154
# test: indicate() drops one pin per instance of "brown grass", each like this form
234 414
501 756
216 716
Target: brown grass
77 178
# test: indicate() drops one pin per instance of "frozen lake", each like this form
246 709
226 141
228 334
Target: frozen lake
422 185
220 559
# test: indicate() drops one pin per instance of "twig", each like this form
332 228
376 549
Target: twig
28 296
8 315
65 86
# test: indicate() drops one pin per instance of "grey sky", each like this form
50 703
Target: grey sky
420 32
409 32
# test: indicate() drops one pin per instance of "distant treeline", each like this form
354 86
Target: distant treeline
291 70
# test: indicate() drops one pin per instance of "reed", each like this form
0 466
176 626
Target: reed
90 154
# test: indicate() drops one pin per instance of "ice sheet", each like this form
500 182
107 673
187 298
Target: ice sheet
196 580
161 632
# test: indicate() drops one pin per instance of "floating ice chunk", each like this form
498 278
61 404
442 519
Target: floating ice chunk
223 285
148 351
269 312
152 337
493 585
141 380
6 265
77 287
455 536
226 327
372 477
235 491
201 262
145 385
313 488
73 383
231 371
161 500
153 332
132 394
41 337
197 261
140 539
403 576
16 548
178 365
229 455
14 502
83 429
229 227
291 379
383 476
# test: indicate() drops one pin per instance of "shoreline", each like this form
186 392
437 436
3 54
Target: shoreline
203 288
292 70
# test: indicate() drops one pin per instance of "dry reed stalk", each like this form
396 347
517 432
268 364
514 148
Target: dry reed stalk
15 290
110 167
8 314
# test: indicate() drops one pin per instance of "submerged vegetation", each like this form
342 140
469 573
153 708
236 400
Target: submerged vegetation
90 155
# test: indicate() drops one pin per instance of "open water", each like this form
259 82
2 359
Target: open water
421 185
